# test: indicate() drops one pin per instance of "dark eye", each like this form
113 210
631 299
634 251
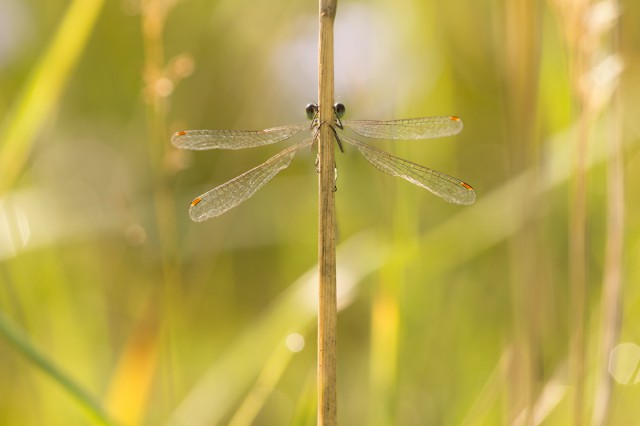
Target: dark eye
340 109
311 110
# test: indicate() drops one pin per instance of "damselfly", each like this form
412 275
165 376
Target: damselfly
230 194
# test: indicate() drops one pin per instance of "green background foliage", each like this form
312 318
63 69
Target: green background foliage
115 308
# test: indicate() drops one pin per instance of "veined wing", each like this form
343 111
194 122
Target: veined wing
412 128
230 194
233 139
444 186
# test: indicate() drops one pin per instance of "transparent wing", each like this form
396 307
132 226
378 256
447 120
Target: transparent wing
230 194
448 188
412 128
233 139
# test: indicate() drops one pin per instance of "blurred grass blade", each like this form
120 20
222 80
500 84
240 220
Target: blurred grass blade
489 395
305 406
549 398
16 337
42 90
273 369
131 382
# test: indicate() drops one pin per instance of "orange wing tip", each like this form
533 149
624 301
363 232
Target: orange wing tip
181 133
463 184
196 201
455 118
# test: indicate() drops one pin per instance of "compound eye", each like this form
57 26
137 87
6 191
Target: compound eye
311 110
340 109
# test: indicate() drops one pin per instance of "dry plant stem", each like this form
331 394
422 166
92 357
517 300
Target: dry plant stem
154 15
573 14
612 283
327 303
578 249
611 303
523 22
578 276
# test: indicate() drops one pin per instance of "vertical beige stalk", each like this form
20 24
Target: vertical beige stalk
527 263
612 280
574 15
327 304
610 320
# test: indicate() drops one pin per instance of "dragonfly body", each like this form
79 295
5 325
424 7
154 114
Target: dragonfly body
230 194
